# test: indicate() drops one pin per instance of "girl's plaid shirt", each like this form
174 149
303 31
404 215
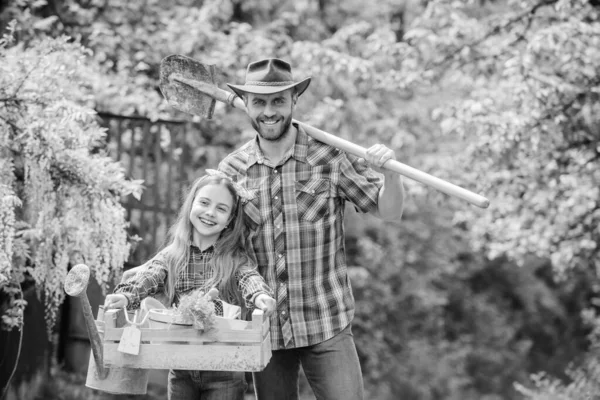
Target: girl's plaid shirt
151 279
305 219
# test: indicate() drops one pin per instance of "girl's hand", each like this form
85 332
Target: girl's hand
115 301
266 303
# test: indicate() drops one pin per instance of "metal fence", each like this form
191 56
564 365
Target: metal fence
165 155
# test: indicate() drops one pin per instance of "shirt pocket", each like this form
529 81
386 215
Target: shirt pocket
312 199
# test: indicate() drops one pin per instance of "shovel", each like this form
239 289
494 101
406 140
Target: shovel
189 86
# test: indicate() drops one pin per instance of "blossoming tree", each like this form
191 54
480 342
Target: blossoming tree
59 192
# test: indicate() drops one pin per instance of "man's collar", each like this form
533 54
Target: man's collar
301 146
255 154
299 151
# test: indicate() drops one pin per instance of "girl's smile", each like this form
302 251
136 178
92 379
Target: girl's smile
207 222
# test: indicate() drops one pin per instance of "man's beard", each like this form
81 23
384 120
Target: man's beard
285 126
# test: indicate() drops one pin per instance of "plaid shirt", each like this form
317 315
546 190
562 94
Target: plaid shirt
316 181
151 280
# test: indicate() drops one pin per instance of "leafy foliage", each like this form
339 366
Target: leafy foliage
532 78
194 306
583 384
498 96
60 196
528 77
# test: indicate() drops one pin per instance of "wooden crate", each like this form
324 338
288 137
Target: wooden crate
233 345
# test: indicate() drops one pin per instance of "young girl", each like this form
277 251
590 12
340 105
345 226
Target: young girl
205 250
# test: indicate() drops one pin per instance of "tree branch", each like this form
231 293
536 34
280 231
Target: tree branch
498 28
593 88
562 85
28 73
12 124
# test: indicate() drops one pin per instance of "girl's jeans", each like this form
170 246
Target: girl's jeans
331 368
206 385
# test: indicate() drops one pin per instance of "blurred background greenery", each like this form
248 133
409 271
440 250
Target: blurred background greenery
453 302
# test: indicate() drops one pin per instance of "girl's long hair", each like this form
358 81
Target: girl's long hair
229 250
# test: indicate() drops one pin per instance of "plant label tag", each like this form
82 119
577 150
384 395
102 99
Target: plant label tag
130 340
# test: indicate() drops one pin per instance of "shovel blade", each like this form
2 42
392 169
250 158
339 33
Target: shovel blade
184 97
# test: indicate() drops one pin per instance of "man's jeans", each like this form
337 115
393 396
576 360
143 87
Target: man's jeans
332 369
206 385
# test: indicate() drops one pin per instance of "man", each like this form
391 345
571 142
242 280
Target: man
298 187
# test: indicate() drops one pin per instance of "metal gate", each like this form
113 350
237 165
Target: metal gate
168 156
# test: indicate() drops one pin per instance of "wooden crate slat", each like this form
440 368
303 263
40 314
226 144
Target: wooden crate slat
234 346
188 335
214 357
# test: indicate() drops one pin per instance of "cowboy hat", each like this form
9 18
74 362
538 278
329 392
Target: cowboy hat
269 76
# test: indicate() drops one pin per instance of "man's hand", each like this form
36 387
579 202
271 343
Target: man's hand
390 204
266 303
377 155
115 301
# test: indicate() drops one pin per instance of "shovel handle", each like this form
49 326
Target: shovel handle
349 147
395 166
211 90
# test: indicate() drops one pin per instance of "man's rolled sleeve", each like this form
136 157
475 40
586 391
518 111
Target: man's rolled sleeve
359 184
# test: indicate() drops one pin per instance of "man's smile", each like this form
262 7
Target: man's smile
270 121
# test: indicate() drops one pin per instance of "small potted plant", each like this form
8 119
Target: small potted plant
195 308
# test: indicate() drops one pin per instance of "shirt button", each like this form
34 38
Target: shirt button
280 255
283 313
276 197
274 171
